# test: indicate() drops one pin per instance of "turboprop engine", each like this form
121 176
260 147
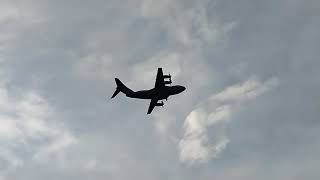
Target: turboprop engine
159 103
168 82
167 76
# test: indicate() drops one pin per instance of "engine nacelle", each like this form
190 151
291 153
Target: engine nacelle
159 103
167 76
168 82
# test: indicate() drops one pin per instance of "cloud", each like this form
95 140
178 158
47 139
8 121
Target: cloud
94 67
187 26
189 31
246 91
8 11
28 124
73 49
59 143
195 146
91 165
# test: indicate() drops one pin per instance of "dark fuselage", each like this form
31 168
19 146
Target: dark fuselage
157 93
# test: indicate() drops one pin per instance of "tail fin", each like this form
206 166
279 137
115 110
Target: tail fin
121 88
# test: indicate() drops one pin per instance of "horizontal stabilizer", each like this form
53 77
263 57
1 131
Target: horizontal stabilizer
121 88
115 93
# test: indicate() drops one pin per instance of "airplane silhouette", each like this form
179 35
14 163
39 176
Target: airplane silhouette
159 92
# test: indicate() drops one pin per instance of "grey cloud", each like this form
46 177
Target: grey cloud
195 145
67 53
28 129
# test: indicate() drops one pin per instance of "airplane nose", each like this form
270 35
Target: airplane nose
183 88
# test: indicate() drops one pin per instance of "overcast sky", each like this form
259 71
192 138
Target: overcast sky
250 111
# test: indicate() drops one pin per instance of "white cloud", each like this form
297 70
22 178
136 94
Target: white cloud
221 113
163 122
248 90
189 30
195 147
28 123
60 142
94 66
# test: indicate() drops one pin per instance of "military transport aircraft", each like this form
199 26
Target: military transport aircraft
159 92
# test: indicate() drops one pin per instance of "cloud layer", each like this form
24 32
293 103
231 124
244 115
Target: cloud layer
195 146
28 129
250 110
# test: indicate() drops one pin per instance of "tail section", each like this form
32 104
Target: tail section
121 88
115 93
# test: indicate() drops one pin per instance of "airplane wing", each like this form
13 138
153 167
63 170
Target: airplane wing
153 103
160 79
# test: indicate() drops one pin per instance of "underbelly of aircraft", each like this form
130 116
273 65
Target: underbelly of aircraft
143 94
149 94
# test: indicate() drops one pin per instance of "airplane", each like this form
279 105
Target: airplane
159 92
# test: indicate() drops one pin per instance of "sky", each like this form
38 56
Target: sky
250 110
